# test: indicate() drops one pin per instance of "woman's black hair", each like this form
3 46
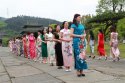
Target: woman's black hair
40 31
100 30
91 35
74 19
43 31
48 29
113 29
62 27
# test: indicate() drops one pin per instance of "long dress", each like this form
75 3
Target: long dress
101 49
38 46
44 47
32 47
58 54
25 47
18 46
50 48
114 46
80 63
66 48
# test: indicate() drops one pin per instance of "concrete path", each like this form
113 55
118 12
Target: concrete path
16 69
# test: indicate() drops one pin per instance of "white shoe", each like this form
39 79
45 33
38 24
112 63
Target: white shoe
66 70
70 70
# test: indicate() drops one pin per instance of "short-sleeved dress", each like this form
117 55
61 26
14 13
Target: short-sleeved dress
80 62
66 48
114 46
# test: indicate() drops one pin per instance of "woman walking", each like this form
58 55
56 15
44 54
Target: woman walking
44 46
50 46
66 46
78 34
91 40
101 50
114 44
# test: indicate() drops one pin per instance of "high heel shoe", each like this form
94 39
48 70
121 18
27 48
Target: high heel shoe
83 75
78 75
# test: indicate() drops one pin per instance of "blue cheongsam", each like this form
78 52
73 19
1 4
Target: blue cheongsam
80 63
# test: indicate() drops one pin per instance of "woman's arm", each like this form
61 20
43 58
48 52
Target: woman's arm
89 38
110 40
74 35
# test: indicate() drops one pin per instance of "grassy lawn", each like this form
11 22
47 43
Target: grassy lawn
107 48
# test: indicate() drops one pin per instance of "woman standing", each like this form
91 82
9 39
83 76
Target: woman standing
50 46
58 48
114 44
101 50
38 46
44 46
91 40
66 46
32 46
78 34
25 46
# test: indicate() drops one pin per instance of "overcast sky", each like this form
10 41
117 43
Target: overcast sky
62 10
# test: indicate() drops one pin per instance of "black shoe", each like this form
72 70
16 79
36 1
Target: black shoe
118 58
83 75
78 75
93 57
89 56
60 68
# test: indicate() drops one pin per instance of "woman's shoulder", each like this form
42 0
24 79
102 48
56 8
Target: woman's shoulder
62 30
73 25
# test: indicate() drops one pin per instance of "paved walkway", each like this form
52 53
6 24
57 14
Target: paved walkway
15 69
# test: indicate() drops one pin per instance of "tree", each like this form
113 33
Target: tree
110 5
108 13
2 24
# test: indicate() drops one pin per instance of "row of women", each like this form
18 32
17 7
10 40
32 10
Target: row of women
61 46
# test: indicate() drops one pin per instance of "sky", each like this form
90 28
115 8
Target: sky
61 10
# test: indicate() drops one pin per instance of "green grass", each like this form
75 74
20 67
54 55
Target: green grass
107 48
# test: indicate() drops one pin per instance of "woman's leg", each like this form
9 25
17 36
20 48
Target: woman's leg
81 73
78 73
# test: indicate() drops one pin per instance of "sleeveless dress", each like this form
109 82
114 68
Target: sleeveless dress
78 46
114 45
101 49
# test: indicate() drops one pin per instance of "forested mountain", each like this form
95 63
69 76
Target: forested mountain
16 23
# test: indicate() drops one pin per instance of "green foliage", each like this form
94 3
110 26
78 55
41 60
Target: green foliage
121 28
107 17
2 24
110 5
5 41
16 23
53 25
